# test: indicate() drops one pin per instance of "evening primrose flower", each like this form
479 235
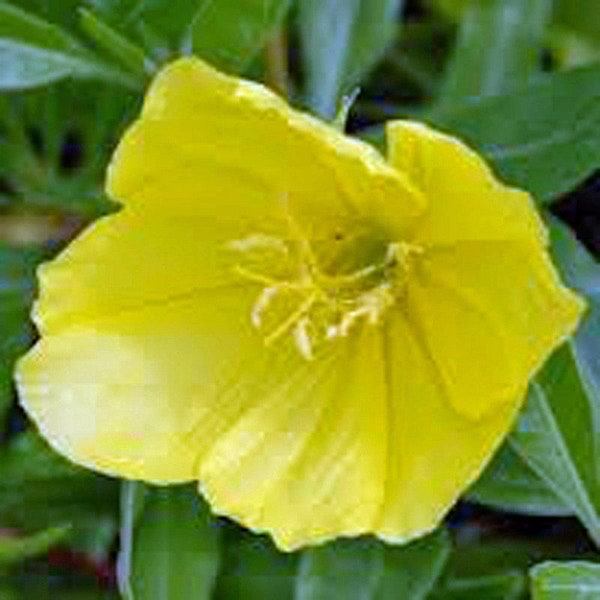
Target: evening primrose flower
330 343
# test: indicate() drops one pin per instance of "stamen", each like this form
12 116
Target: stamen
329 306
302 338
262 304
297 235
255 277
289 323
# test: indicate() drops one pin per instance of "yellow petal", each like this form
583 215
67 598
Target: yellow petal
127 261
433 452
207 143
489 314
307 463
140 394
466 202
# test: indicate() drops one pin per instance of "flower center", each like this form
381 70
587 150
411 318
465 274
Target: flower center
310 293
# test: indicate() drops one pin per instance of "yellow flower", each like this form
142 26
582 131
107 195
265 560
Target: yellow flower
329 343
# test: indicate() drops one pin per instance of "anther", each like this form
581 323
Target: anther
302 338
259 241
261 305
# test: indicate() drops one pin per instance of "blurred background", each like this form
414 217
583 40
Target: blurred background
518 79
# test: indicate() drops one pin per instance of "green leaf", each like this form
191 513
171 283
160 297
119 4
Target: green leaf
544 138
119 47
17 286
412 571
509 484
229 33
582 273
35 53
498 47
63 13
254 570
341 41
163 26
365 569
576 580
23 66
348 569
175 547
18 549
557 436
20 25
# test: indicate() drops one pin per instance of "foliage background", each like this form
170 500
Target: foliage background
517 79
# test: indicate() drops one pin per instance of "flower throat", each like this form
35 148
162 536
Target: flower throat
311 295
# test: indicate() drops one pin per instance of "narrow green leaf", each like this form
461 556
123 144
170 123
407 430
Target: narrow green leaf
23 66
162 25
412 571
345 569
341 41
34 52
498 47
18 549
544 138
63 13
29 29
175 547
111 41
557 436
582 272
509 484
229 33
377 26
576 580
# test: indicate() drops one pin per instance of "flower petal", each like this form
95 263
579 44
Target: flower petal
489 314
207 143
433 452
124 394
466 201
127 261
307 463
